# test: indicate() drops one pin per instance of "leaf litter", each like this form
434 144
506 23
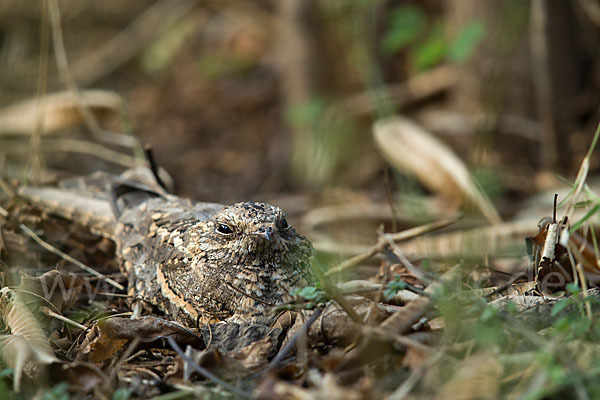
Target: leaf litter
454 310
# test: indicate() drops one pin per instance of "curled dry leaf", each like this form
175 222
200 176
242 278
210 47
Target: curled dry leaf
109 336
26 348
411 149
60 288
57 111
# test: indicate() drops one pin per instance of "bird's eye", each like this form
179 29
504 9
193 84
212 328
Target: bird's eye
284 224
224 229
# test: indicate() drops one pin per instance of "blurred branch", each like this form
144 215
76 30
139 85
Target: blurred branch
128 43
293 62
401 95
591 8
81 147
69 80
36 158
64 71
57 111
542 81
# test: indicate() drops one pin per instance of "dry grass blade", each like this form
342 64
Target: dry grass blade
581 176
473 243
409 148
68 258
57 111
27 345
382 243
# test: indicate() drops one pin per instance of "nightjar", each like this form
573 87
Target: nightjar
197 262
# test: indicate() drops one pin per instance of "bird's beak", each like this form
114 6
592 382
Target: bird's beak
264 231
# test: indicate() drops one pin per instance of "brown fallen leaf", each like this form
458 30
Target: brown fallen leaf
107 337
60 288
410 148
26 348
56 111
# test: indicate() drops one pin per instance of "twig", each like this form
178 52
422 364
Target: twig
67 257
403 340
204 372
81 147
383 243
405 261
506 285
93 149
108 294
292 342
52 314
402 320
154 166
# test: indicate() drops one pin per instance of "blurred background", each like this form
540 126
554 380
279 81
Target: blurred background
275 100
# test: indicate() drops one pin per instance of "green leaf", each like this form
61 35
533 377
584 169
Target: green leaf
465 43
58 392
6 372
562 324
511 307
573 288
406 23
307 113
432 51
488 314
583 219
559 306
309 293
121 394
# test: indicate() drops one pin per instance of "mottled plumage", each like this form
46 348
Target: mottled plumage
195 261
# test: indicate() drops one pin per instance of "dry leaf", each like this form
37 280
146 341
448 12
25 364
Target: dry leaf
61 288
57 111
109 336
26 347
411 149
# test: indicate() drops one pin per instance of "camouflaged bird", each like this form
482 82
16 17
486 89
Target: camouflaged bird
198 262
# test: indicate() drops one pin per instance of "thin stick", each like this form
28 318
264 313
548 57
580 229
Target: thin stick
67 257
52 314
288 346
405 261
383 243
91 148
154 166
204 372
